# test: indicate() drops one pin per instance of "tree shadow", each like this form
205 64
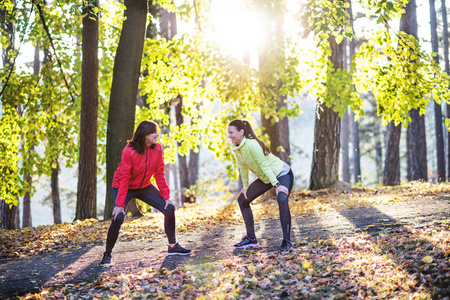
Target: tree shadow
29 275
369 219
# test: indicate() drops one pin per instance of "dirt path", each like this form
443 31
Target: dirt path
59 268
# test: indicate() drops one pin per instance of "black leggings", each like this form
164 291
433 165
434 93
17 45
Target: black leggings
152 197
256 189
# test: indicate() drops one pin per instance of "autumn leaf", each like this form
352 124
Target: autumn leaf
427 259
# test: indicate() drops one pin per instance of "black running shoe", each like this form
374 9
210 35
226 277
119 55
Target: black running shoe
286 246
107 260
178 250
247 242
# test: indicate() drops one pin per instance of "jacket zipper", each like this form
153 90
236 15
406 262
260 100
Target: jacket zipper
243 161
145 172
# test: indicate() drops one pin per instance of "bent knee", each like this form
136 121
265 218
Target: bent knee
170 210
282 198
243 201
119 218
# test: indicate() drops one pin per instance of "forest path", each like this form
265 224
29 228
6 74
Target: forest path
60 268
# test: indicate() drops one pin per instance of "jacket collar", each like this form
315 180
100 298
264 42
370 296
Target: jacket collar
235 147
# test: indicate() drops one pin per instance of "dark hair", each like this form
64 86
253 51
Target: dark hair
138 141
249 133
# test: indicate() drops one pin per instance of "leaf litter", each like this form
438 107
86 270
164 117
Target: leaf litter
406 263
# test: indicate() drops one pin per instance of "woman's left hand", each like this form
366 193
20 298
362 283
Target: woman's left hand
282 189
168 201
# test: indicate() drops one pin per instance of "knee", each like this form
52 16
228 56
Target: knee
243 202
170 210
119 219
282 198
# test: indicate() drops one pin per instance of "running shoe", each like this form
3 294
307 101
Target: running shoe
178 250
107 260
247 242
286 246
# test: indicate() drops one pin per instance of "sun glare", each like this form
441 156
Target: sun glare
235 28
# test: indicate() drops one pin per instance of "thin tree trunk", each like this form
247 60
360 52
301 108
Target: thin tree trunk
423 148
344 151
182 161
193 168
345 130
378 154
26 213
440 156
447 69
356 153
56 201
122 107
327 131
392 160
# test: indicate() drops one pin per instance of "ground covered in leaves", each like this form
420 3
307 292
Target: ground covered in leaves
406 262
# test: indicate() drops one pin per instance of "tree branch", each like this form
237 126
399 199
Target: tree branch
17 54
44 24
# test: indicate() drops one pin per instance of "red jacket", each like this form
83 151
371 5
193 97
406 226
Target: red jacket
135 171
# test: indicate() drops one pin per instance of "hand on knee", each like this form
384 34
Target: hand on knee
120 218
170 210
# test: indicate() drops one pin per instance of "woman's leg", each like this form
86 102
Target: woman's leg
114 228
256 189
283 205
152 197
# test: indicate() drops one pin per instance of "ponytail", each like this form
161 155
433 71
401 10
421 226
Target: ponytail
249 133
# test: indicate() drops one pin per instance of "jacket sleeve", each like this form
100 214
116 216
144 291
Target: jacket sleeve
160 177
124 176
243 170
258 154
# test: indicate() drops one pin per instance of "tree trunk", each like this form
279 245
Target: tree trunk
87 164
168 25
447 69
356 158
440 155
345 131
327 131
344 143
415 144
8 214
392 162
423 148
122 106
414 147
8 217
378 154
182 160
56 201
133 208
193 168
26 213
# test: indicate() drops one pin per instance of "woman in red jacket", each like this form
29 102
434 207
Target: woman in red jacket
142 159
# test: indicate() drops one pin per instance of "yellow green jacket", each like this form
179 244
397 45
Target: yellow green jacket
250 156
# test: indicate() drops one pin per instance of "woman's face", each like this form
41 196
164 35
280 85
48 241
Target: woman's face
151 138
235 135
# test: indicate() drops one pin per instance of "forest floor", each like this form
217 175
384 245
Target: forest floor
387 242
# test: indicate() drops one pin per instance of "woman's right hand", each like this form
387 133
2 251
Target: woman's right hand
117 210
244 191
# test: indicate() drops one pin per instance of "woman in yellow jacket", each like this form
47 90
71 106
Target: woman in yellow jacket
253 155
